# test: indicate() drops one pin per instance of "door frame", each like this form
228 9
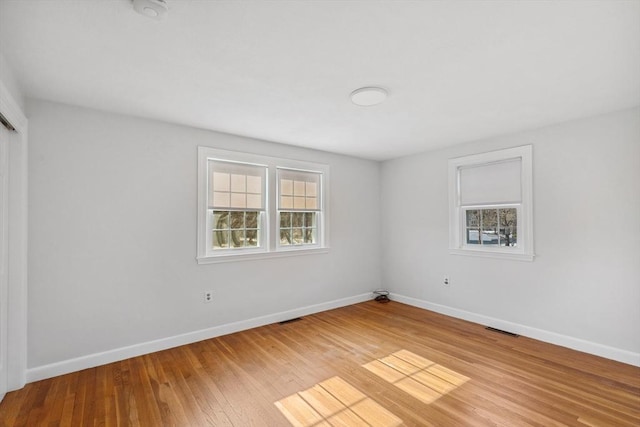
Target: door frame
16 303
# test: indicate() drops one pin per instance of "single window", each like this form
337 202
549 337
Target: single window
299 207
252 206
490 205
235 205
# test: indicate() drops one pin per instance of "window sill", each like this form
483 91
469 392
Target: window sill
216 259
492 254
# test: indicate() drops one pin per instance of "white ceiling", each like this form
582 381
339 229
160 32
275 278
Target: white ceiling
283 70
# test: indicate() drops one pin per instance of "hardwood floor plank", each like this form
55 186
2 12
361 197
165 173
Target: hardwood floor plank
366 364
298 411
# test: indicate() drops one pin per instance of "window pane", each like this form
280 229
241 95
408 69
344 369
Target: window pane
285 219
237 238
254 201
508 237
298 219
251 238
508 226
489 237
285 236
297 236
312 203
312 189
221 199
309 219
473 218
286 187
220 239
298 188
473 236
251 219
237 220
220 219
508 217
238 200
298 203
238 183
286 202
220 181
310 235
489 219
254 184
488 227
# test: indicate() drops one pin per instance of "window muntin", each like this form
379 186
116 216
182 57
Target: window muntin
490 204
299 207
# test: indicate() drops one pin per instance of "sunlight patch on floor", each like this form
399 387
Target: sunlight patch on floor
334 402
421 378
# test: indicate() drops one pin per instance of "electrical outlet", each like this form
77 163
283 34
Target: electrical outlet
208 296
446 280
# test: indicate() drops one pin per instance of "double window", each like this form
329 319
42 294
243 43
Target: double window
490 204
252 206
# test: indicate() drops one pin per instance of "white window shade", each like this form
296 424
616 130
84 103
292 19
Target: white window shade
299 190
236 186
492 183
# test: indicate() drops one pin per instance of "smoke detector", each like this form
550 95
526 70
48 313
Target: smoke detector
156 9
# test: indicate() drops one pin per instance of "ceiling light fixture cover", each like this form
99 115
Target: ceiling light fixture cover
368 96
156 9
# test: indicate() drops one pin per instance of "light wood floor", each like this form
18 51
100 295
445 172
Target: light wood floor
366 364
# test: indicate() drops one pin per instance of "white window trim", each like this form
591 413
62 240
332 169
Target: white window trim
524 250
271 247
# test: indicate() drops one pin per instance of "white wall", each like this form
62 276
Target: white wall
583 288
7 78
112 237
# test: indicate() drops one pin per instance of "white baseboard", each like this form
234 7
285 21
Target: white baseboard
613 353
115 355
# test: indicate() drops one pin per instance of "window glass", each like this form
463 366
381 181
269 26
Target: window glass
492 227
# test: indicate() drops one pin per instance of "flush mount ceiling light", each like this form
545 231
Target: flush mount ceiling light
156 9
368 96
